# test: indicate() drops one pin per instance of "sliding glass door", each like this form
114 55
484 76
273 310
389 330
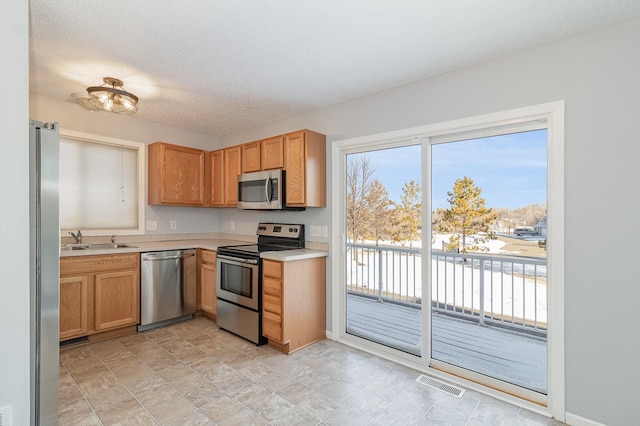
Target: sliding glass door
383 265
450 249
489 257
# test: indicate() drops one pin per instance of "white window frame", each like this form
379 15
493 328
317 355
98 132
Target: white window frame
141 161
552 116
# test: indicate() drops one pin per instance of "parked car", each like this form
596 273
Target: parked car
524 231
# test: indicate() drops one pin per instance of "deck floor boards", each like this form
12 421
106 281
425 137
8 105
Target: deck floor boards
513 357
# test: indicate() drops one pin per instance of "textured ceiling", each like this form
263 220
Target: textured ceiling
216 67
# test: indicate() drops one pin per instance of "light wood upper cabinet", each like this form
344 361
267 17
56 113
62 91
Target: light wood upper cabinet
216 164
305 166
251 153
225 165
273 153
293 302
176 175
207 300
99 294
266 154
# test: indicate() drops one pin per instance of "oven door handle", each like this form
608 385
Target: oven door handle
237 259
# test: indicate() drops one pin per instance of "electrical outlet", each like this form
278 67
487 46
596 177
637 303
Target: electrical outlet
232 225
152 225
173 224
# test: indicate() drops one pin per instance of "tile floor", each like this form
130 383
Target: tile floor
193 373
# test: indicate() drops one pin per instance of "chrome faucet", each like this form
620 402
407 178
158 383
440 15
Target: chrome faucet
113 238
77 236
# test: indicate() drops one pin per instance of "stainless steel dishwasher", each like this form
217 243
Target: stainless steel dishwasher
167 287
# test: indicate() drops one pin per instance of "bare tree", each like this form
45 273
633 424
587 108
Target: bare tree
359 184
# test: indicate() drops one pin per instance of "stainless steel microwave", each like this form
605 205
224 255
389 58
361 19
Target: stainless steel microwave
262 190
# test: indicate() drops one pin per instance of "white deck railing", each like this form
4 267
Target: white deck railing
507 291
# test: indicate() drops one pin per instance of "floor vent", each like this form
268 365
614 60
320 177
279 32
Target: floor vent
441 386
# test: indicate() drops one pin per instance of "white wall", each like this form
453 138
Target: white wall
72 117
597 74
14 213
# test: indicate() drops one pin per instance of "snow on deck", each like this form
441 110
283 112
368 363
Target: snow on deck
512 357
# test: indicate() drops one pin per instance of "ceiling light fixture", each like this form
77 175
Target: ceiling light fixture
112 97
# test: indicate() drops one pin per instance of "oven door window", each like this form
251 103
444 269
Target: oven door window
236 279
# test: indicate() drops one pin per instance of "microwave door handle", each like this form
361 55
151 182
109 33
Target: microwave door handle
267 189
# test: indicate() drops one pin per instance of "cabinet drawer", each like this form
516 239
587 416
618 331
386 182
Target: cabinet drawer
208 256
272 326
93 264
272 304
272 286
271 268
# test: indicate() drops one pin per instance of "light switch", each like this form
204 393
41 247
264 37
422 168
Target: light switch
152 225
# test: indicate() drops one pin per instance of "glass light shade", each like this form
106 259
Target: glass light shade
113 99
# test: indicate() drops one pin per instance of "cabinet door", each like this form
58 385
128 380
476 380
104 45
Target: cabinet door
272 296
176 175
232 168
117 299
217 178
74 302
251 157
273 153
208 282
294 150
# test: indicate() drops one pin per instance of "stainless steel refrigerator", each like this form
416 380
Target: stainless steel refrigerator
45 270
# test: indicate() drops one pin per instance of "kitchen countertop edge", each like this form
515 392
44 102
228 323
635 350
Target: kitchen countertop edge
289 255
206 244
141 247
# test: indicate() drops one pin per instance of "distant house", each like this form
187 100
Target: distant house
541 227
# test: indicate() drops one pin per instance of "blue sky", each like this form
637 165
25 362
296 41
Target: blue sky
510 169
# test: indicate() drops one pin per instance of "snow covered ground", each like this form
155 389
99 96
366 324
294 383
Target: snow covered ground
510 290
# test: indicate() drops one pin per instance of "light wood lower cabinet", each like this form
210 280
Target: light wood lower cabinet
74 304
117 299
207 283
294 303
99 294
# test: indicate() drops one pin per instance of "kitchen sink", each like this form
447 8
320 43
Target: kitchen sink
74 247
110 246
95 246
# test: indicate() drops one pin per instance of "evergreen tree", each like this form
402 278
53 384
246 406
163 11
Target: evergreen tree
380 211
408 214
467 214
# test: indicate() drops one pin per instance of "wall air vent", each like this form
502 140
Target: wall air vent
441 386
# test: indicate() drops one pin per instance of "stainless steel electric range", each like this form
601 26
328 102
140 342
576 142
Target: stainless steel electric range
239 278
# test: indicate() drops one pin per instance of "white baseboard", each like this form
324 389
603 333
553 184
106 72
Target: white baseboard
329 335
575 420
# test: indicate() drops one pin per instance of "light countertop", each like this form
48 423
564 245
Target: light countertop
207 244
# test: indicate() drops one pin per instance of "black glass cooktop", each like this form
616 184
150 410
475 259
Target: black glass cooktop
254 249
